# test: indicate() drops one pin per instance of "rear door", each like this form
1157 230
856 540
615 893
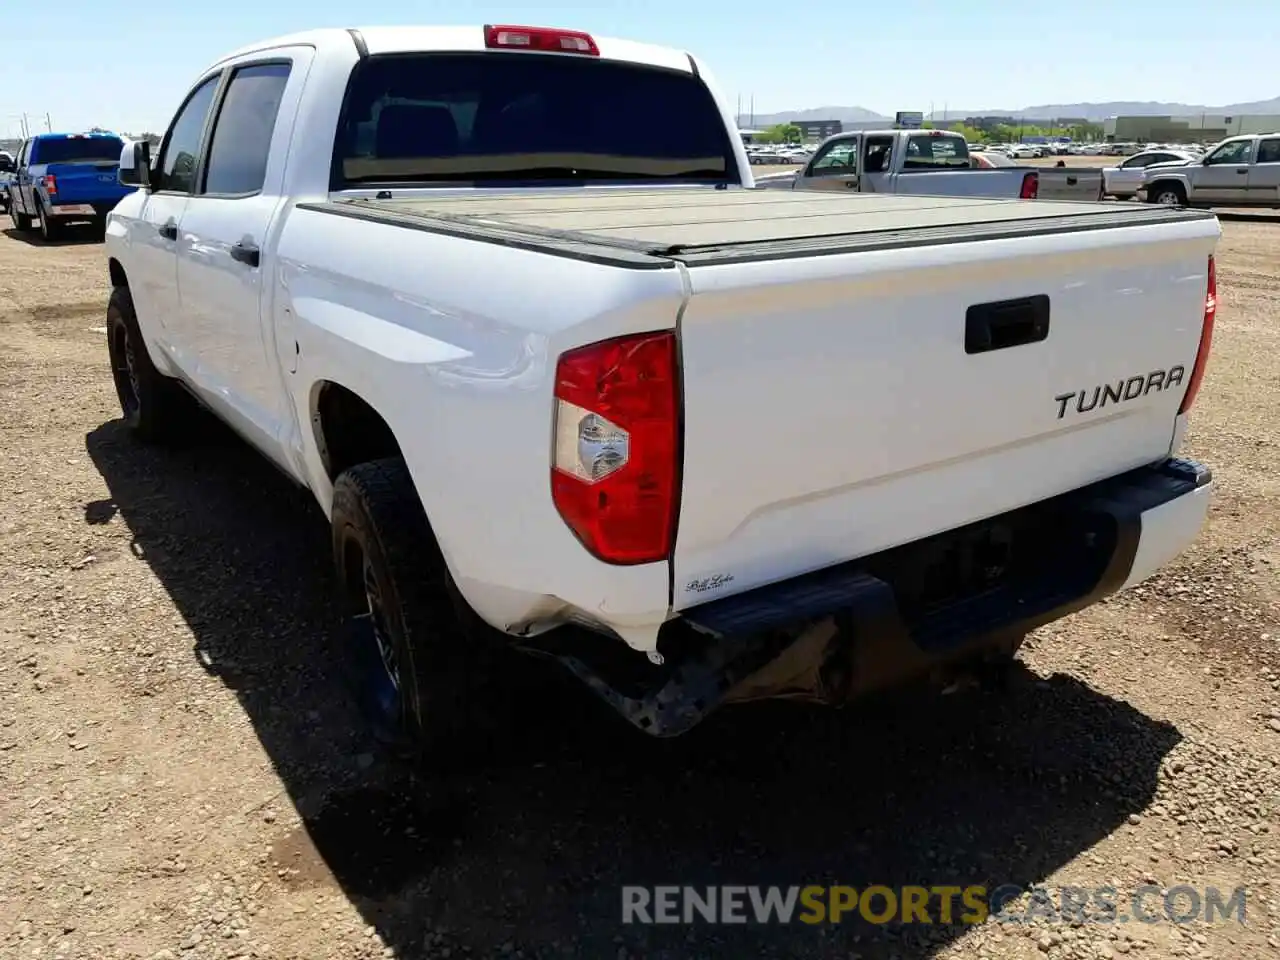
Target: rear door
1264 175
224 239
876 165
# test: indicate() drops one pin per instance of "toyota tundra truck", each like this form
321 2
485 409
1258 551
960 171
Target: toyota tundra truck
501 299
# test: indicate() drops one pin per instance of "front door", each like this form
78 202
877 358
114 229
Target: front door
153 235
833 167
1224 176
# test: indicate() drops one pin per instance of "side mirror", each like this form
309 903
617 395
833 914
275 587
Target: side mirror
135 165
1204 162
6 165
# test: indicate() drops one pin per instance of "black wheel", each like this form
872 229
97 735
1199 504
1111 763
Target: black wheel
50 229
424 670
155 408
21 222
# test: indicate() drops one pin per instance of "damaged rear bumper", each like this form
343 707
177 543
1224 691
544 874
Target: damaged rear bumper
847 629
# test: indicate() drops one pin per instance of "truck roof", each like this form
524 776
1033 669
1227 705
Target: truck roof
459 39
670 223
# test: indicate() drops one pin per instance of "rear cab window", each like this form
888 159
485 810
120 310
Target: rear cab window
499 117
77 149
928 151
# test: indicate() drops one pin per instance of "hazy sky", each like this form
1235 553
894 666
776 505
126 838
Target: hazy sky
127 67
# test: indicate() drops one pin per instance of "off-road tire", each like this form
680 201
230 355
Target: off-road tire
451 667
154 407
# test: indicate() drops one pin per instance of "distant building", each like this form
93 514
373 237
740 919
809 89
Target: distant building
1201 127
986 124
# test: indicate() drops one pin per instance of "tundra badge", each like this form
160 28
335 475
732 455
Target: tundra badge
1136 386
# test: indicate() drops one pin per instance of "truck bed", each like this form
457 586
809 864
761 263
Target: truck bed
717 226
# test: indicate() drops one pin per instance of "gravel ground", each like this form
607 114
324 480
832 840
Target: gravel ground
181 775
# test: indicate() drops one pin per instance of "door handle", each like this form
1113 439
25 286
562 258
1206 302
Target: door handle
1006 323
246 253
1242 172
168 230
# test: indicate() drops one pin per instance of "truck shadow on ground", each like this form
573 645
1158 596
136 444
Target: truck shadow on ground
529 852
75 235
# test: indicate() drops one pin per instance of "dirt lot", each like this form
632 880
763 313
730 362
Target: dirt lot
181 774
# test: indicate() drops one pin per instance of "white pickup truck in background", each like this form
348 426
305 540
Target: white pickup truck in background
927 163
498 298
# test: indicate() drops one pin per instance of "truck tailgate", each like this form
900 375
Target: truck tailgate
86 182
840 405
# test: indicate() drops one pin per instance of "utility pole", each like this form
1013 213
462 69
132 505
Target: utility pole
48 124
26 130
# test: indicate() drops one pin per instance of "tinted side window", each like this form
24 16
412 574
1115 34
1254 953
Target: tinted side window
1269 151
1237 151
242 132
182 145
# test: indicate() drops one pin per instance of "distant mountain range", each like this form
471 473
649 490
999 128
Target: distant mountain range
1095 112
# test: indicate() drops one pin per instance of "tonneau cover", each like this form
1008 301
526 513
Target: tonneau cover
667 222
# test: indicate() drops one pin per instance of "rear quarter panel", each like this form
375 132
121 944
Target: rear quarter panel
454 342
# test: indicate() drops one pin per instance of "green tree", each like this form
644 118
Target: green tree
781 133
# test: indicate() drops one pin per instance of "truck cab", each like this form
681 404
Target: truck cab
61 178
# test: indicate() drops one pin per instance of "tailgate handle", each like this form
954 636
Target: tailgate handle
1072 181
1006 323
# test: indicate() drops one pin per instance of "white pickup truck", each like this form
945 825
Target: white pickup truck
498 298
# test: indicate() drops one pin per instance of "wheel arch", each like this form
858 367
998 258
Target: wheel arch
347 429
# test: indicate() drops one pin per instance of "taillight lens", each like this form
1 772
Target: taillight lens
1206 338
614 473
1030 187
50 184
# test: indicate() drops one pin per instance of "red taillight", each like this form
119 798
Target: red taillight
545 39
1206 339
1030 186
614 472
50 184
